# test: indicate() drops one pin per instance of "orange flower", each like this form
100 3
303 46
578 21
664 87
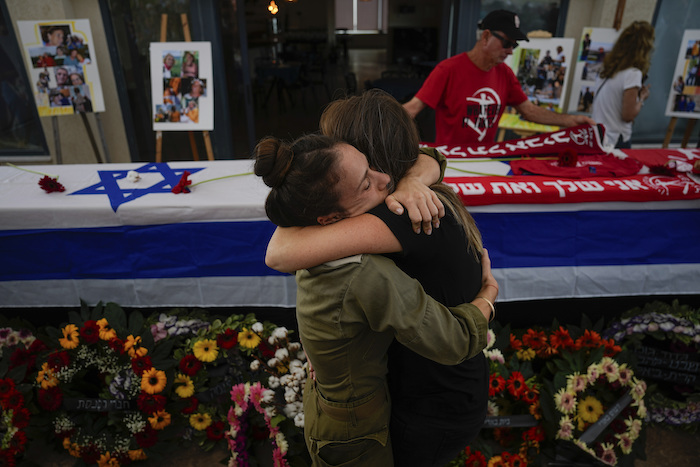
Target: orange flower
46 377
133 347
70 337
159 420
106 331
515 344
590 339
535 339
153 381
561 339
611 349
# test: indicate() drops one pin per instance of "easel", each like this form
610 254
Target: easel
159 133
91 137
686 136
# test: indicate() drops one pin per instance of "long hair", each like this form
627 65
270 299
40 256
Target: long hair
378 126
303 176
632 49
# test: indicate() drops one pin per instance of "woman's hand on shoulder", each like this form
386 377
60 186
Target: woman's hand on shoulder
423 206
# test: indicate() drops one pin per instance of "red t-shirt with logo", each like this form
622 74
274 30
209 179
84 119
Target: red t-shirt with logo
468 101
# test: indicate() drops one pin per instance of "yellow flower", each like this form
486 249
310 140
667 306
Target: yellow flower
248 339
200 421
160 420
525 354
495 460
133 347
153 381
590 409
137 455
73 449
106 331
206 350
184 387
70 337
46 377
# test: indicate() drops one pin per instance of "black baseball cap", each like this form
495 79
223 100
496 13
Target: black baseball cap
506 21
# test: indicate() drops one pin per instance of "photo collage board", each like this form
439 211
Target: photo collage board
594 44
542 67
182 86
60 56
684 96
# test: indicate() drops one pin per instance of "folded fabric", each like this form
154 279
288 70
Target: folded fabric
601 165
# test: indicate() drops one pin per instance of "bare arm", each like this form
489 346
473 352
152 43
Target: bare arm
412 192
294 248
540 115
489 288
632 102
414 106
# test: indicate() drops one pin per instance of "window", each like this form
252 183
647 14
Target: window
361 16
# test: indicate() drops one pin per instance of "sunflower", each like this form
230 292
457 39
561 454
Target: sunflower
200 421
70 337
159 420
106 331
206 350
133 347
590 409
153 381
184 387
46 377
248 339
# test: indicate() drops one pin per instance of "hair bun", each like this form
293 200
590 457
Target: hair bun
273 158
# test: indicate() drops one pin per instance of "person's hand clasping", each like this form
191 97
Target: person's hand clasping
423 206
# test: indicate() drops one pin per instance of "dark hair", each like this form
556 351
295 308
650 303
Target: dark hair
303 177
379 127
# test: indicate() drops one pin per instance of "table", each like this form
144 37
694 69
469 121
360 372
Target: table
522 128
137 244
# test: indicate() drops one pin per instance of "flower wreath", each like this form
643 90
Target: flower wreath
236 350
596 395
102 387
669 332
14 418
246 398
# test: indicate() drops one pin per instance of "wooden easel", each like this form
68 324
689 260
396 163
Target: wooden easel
159 133
686 136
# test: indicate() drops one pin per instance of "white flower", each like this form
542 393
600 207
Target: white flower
255 365
270 411
294 346
273 382
653 327
492 409
290 395
299 420
133 176
282 354
268 396
495 355
281 443
490 339
667 326
272 363
280 333
258 327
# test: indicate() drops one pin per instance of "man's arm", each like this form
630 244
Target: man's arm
414 106
537 114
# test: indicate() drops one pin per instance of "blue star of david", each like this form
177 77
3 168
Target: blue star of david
118 196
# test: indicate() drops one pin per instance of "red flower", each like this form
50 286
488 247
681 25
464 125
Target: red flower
147 438
517 460
117 345
530 394
90 332
7 387
20 417
611 349
150 403
474 459
227 339
37 346
21 357
50 185
58 360
515 343
590 339
181 186
192 405
50 399
560 339
90 453
266 349
496 384
535 339
141 364
568 158
215 431
17 442
190 365
13 400
535 433
516 384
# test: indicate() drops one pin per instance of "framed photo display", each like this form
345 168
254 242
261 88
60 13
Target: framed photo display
684 95
182 86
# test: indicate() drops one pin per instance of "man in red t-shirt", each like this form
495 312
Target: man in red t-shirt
470 91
